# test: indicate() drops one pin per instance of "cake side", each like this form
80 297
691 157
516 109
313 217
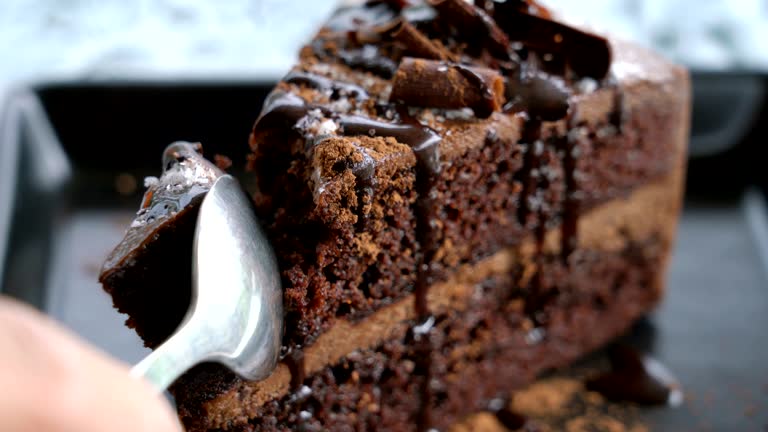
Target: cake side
613 281
610 126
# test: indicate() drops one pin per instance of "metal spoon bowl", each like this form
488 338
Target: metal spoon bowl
236 313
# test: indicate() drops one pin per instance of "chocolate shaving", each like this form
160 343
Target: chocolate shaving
473 24
417 44
586 54
420 82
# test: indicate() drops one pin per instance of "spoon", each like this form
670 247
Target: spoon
236 312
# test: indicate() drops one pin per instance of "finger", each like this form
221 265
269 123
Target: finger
51 381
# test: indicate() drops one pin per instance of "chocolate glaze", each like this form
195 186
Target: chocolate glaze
186 178
339 89
295 362
423 140
283 110
542 96
617 115
635 377
572 204
510 419
528 173
422 340
369 58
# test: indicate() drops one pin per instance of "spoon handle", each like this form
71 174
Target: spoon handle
169 361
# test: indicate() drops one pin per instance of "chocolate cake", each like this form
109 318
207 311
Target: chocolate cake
460 196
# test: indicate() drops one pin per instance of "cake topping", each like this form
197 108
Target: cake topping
338 89
420 82
474 25
422 139
288 110
587 55
187 177
415 43
540 58
543 96
369 58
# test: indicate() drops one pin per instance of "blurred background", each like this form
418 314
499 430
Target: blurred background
247 38
91 91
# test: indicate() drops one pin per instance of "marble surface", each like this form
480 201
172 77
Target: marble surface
243 39
703 34
178 40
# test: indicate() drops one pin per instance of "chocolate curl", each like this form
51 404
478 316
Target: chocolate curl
473 23
586 54
428 83
417 44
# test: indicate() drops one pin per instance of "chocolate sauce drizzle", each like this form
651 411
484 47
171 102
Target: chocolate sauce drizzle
537 93
635 377
295 362
422 139
339 89
369 58
528 174
572 204
510 419
617 115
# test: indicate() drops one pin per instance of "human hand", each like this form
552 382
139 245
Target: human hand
51 381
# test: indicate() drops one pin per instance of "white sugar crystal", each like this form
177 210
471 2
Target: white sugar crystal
151 181
327 127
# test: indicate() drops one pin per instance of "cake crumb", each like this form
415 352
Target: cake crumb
597 423
546 397
481 422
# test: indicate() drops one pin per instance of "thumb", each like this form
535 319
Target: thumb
52 381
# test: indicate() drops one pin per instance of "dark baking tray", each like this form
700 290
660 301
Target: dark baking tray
69 186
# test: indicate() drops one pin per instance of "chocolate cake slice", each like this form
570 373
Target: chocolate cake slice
460 196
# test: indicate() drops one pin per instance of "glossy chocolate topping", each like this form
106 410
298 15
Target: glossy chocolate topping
338 89
186 178
285 109
636 377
